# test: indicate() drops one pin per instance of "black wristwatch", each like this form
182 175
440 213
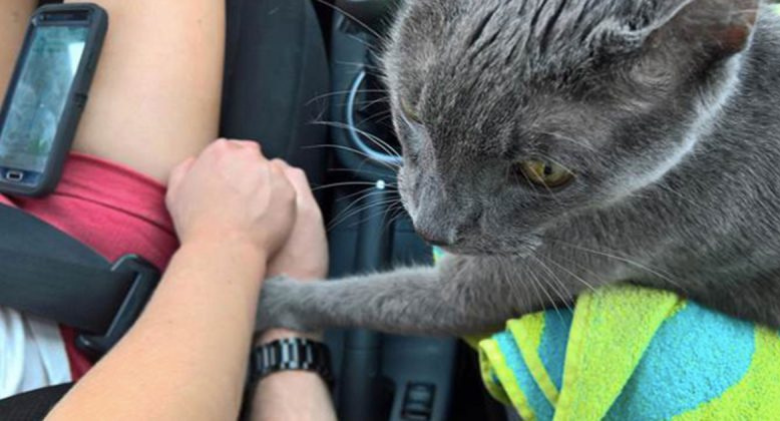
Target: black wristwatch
291 354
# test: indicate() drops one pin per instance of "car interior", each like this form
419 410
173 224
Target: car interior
332 118
379 376
325 109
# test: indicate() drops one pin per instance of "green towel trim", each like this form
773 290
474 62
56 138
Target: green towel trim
605 319
511 395
528 335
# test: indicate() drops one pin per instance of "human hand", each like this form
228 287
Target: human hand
305 255
232 193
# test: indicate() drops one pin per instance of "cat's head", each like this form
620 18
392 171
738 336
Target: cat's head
515 114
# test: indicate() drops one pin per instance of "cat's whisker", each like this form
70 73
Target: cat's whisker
392 210
542 285
358 65
520 292
400 213
570 273
351 210
384 119
345 92
625 259
558 284
386 147
368 103
365 208
372 48
381 99
356 194
355 151
379 142
345 214
344 184
376 174
365 103
388 203
373 116
351 17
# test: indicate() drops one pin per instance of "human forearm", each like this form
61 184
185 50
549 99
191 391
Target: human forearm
292 395
186 356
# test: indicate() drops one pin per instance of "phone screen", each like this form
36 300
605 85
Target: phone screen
39 100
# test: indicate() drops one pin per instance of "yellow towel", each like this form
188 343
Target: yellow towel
631 353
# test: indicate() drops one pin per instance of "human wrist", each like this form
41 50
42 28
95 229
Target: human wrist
242 245
292 379
274 335
246 262
273 395
284 356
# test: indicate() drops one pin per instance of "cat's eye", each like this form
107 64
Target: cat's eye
545 173
410 112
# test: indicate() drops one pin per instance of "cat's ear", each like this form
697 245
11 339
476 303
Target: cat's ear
716 28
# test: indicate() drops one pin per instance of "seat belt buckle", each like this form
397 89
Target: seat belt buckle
145 279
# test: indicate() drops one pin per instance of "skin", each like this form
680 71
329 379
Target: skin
279 396
13 23
158 85
203 374
197 375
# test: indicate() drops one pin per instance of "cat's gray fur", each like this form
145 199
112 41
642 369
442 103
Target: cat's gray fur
668 112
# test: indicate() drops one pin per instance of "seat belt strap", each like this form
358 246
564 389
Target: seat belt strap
86 298
46 273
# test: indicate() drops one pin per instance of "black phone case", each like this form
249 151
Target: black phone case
77 97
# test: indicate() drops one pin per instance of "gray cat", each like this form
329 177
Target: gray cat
553 146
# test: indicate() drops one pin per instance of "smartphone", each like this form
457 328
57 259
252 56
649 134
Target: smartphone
47 94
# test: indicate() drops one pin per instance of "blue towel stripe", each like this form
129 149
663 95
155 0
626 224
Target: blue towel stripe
554 343
675 358
514 359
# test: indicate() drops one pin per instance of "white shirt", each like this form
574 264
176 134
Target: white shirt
32 354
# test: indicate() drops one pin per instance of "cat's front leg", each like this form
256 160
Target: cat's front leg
449 300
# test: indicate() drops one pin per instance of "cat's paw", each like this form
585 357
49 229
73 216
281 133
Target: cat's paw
279 300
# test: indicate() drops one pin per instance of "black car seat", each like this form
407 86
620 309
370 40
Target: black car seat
276 81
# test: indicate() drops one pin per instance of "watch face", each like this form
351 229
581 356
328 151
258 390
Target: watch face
292 354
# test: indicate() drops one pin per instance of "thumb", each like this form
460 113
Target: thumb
179 173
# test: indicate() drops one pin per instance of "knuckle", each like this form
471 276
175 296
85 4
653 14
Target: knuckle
219 148
289 194
301 174
311 210
248 145
221 144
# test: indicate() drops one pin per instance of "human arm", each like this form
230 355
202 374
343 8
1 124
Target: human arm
186 356
297 395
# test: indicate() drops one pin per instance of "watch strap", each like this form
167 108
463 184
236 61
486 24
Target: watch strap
292 354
